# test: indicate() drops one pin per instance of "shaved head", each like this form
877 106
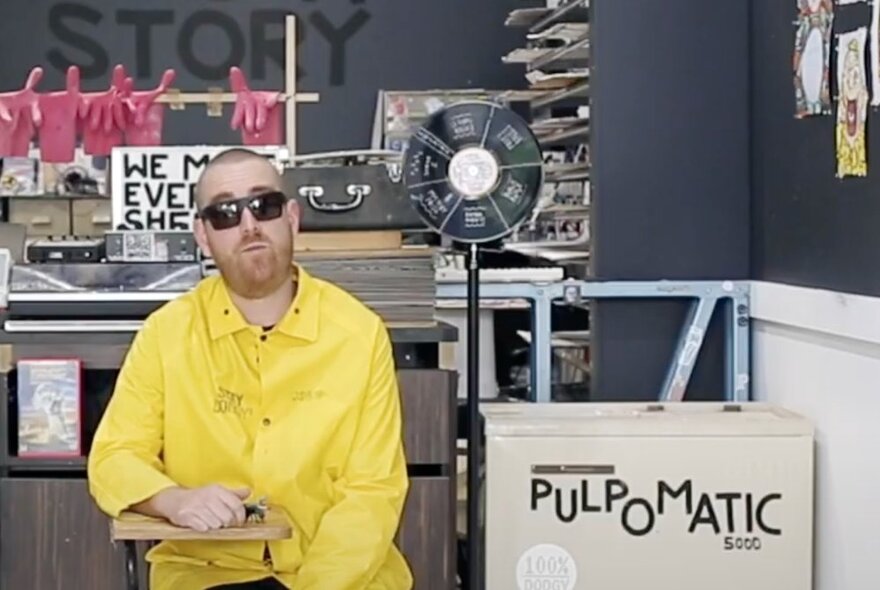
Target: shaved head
255 252
227 159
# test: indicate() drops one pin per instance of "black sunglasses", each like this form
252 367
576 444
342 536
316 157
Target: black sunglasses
226 214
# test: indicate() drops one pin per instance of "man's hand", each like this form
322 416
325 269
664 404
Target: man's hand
201 509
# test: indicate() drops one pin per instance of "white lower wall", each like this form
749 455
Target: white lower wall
818 353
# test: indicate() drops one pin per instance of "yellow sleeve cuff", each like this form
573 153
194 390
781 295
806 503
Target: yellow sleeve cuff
121 480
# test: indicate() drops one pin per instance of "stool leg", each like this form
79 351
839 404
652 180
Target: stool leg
131 574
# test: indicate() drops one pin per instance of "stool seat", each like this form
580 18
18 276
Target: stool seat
132 526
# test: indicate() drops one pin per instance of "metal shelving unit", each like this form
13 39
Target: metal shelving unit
704 298
555 58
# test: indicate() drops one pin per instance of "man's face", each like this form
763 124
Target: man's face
253 256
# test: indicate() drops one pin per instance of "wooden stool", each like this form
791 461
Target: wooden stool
132 527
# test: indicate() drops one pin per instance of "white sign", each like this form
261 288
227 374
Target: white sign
154 187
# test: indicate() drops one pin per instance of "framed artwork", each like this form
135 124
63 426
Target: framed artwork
812 57
50 422
852 103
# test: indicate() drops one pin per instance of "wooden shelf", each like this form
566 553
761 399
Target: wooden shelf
564 137
538 19
573 10
579 90
36 464
568 172
400 332
59 196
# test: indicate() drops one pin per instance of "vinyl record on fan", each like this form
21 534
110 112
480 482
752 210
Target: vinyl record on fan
474 171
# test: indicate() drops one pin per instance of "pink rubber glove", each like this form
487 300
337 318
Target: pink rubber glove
102 116
145 116
57 133
19 117
257 113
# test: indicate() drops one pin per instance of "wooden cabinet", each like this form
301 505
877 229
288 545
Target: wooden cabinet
427 536
53 537
429 411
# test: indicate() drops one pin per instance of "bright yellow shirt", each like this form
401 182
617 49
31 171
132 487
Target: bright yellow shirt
307 414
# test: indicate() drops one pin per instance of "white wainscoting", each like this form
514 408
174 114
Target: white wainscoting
817 353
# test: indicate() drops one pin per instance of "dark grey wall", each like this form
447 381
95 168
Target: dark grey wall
349 50
810 228
670 150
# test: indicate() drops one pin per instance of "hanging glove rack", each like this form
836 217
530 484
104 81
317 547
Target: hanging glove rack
256 112
215 98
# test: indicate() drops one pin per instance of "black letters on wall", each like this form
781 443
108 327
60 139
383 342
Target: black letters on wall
347 52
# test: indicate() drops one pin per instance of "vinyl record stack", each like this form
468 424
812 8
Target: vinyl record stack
399 284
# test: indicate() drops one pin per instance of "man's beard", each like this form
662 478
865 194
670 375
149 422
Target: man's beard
254 275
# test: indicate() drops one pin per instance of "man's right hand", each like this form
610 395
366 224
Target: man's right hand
201 509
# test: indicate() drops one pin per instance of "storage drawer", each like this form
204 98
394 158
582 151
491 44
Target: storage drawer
427 536
42 217
91 217
429 412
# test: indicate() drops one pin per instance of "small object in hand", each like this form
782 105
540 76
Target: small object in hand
256 512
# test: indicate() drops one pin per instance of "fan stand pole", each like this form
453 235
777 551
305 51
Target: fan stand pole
474 536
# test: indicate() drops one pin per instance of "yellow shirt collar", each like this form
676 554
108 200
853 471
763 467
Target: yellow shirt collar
300 321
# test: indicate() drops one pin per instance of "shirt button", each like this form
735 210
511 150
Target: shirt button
266 422
263 337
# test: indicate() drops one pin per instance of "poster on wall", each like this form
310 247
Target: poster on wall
852 103
812 57
153 188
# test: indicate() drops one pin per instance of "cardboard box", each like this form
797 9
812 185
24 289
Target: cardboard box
683 496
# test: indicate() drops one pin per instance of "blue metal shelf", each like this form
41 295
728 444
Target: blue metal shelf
704 297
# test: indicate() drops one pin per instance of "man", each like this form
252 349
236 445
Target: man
263 382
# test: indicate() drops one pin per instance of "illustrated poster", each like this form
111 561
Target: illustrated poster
852 104
812 57
49 407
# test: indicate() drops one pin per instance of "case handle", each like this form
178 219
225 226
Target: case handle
314 193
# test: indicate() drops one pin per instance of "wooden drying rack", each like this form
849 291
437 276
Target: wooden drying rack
215 98
355 241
